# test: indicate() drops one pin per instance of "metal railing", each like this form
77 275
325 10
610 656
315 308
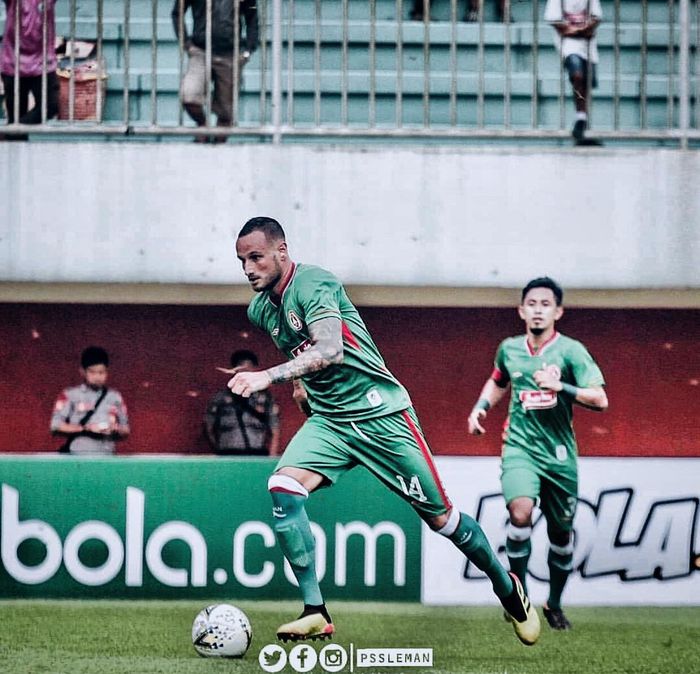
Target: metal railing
335 68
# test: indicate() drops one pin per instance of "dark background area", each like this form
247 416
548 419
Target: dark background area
163 361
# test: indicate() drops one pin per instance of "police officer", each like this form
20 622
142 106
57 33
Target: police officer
91 417
237 425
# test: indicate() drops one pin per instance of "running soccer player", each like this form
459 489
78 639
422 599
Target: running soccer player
547 373
360 415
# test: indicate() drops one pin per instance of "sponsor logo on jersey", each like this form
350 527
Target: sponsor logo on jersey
304 346
561 453
275 332
374 398
294 321
538 400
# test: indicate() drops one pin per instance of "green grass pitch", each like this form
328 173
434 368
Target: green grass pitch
149 637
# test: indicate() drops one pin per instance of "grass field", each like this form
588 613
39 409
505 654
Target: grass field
148 637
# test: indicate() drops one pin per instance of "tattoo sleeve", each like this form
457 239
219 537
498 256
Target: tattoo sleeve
326 350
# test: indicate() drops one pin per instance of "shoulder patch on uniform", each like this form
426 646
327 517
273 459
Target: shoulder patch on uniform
294 320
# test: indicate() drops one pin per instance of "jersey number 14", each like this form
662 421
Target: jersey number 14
413 488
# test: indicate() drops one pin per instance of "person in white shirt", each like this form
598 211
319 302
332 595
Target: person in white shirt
575 23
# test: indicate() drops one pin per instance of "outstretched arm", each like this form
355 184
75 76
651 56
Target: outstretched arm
490 396
326 349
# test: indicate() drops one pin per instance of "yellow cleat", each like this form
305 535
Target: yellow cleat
528 630
313 626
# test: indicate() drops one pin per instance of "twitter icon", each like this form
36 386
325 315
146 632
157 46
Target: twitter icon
272 658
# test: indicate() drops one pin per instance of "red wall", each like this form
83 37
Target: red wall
163 360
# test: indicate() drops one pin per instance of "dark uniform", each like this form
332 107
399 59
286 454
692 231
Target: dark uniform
240 425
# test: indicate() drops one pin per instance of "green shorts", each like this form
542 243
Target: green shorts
391 447
554 491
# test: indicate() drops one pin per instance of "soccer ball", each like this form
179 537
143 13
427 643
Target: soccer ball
221 631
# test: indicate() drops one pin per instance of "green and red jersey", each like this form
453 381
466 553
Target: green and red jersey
541 422
361 387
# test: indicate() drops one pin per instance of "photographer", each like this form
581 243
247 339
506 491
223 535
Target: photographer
243 426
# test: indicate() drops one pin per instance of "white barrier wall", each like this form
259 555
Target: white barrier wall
168 213
637 530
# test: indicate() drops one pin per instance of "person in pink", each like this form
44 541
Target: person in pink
36 56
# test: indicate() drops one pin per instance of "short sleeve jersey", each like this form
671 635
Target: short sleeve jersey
361 387
574 11
72 405
259 415
541 421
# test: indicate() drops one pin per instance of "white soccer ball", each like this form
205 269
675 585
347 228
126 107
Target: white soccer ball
221 631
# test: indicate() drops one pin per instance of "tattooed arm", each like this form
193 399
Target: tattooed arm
326 349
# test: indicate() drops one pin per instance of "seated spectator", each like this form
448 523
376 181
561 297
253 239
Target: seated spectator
472 11
237 425
575 23
193 88
91 416
34 56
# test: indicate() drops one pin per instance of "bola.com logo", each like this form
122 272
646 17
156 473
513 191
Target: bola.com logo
336 658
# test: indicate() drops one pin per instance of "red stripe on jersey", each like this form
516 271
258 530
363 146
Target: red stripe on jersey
425 450
285 284
288 280
532 352
282 490
349 337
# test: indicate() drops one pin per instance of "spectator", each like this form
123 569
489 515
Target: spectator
575 23
91 416
471 15
237 425
193 87
35 55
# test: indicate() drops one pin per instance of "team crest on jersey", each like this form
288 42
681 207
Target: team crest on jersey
553 370
294 321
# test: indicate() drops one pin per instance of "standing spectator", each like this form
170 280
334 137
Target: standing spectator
575 23
36 53
237 425
91 416
193 87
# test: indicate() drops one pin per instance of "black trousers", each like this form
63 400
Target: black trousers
31 85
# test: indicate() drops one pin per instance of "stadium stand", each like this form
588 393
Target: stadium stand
329 69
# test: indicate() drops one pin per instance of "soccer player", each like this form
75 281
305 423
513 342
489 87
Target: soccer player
360 415
547 373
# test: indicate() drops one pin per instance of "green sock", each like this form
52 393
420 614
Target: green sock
297 542
470 539
518 556
560 562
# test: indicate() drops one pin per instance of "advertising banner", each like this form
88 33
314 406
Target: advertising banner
637 534
183 527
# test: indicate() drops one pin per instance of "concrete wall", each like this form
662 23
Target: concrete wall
168 213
